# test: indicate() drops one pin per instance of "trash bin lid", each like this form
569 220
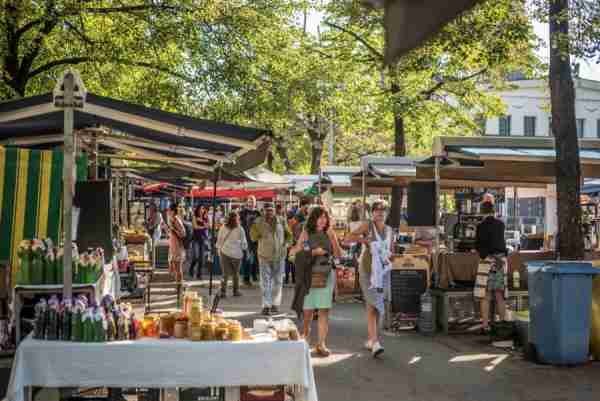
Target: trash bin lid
535 265
569 267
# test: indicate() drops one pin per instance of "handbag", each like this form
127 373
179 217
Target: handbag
321 269
318 280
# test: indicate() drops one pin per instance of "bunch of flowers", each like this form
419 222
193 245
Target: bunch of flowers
24 253
38 256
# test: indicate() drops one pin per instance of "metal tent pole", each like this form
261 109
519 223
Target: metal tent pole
364 194
68 166
213 239
69 93
437 212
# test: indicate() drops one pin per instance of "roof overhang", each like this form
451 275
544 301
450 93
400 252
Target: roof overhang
145 133
504 161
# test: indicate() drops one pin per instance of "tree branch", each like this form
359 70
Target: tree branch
123 9
80 60
429 92
50 20
359 38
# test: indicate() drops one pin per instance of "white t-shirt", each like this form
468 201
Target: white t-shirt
232 243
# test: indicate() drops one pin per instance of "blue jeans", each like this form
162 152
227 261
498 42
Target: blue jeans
250 266
271 281
197 257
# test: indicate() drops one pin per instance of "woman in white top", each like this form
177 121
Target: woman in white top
231 244
374 267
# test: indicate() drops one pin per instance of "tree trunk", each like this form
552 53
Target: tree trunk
399 150
568 168
316 147
283 155
270 160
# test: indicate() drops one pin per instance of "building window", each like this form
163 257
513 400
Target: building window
580 127
504 126
529 125
598 128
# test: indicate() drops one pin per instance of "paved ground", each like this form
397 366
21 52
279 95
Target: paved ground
421 368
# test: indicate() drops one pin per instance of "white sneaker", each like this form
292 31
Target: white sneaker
376 349
368 345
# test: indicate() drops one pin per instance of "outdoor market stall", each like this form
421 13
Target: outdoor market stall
119 130
484 163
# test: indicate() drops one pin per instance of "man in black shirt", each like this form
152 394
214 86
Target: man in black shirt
491 275
250 262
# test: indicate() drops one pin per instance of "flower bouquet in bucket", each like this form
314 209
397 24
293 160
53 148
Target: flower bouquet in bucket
24 253
59 265
49 262
38 254
83 267
98 258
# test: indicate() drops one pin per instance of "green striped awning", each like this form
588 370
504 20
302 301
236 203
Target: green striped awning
30 197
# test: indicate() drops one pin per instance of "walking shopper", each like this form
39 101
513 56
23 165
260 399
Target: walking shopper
250 262
231 244
320 240
200 225
154 224
272 236
374 265
177 250
492 271
296 224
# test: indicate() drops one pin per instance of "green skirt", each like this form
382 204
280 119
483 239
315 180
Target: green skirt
321 298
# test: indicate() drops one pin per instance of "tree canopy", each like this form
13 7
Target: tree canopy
255 62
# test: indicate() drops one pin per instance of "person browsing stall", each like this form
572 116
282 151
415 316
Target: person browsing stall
231 244
491 280
318 238
272 235
375 264
248 216
200 226
177 250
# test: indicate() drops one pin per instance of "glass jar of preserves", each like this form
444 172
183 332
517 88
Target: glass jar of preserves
196 311
195 332
222 332
208 330
181 328
235 331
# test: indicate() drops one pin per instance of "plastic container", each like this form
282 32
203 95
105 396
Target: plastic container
560 297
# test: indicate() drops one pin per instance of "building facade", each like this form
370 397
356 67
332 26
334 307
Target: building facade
528 109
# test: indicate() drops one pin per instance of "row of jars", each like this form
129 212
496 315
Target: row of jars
205 328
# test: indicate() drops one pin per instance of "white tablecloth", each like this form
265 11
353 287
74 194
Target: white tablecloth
161 364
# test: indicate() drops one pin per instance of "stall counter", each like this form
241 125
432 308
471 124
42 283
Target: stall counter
154 363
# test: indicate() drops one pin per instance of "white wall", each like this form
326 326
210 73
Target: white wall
531 98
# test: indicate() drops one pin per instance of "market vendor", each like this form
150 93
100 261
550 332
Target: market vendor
492 271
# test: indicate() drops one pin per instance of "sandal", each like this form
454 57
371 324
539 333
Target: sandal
323 351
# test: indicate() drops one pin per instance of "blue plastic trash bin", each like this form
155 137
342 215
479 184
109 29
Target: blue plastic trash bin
560 298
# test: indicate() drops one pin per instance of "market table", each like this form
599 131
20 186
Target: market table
154 363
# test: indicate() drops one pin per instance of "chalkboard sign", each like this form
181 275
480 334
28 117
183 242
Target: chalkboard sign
407 285
421 204
95 226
